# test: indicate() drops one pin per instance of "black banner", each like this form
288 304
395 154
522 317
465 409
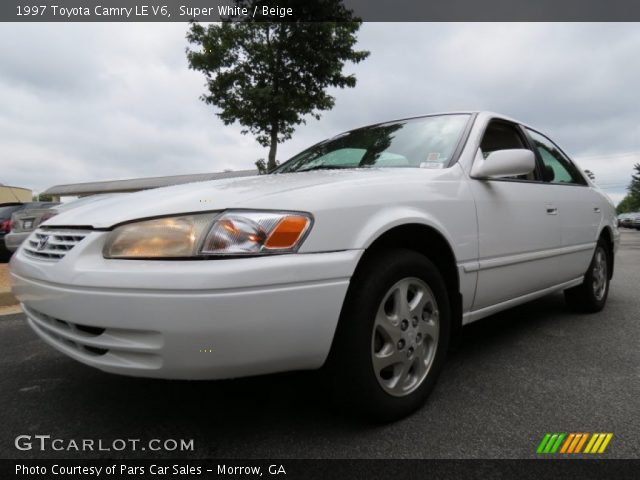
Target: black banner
321 469
297 10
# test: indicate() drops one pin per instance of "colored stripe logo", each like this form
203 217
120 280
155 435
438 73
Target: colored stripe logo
571 443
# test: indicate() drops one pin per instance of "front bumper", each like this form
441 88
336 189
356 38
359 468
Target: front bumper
185 319
13 240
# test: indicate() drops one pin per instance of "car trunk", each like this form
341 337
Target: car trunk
28 220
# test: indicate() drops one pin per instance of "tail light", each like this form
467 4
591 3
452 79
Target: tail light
6 226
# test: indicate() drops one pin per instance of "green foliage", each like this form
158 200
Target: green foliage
42 198
631 203
634 187
627 205
261 165
270 77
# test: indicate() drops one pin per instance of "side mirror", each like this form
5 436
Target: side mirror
505 163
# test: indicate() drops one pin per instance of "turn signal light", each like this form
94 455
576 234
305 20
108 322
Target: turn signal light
287 233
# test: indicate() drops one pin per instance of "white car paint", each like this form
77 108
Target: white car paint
512 241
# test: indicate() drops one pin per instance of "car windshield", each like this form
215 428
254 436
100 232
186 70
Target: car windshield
427 142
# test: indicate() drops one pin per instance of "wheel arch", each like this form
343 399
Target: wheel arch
607 236
431 242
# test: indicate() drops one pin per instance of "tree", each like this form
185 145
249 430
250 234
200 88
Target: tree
634 186
270 77
627 205
261 165
42 198
631 202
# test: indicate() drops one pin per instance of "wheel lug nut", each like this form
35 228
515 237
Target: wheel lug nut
418 337
410 352
404 324
414 321
400 344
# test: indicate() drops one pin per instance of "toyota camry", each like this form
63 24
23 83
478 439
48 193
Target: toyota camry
364 254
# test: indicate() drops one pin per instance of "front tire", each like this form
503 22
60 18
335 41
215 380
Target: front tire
591 295
392 337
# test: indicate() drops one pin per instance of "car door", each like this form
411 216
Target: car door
579 207
518 226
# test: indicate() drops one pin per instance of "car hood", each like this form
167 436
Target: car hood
292 191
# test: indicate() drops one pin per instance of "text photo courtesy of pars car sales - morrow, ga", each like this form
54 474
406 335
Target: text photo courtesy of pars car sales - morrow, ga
329 238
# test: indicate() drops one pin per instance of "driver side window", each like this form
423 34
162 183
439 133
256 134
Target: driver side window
501 135
557 168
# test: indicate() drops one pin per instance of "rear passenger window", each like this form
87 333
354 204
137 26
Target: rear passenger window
504 136
556 167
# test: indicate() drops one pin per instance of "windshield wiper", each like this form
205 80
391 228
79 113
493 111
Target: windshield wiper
327 167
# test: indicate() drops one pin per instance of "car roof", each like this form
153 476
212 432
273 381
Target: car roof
487 114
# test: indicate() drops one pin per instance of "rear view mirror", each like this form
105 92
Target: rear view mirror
505 163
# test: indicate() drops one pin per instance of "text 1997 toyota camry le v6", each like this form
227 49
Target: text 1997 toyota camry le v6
366 252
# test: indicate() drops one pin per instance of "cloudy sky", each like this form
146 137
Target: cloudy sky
86 102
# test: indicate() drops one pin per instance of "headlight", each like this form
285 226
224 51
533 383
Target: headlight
227 233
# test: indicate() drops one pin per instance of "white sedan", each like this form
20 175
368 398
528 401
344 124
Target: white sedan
365 253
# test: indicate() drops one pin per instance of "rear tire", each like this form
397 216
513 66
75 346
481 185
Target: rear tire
591 295
392 337
5 254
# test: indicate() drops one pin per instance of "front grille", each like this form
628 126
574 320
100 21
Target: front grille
53 244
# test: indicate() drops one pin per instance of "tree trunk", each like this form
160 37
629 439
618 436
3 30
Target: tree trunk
273 147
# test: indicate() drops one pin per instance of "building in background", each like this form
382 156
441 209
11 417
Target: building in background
136 184
14 194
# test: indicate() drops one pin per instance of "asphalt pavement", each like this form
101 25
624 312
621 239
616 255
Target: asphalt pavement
515 376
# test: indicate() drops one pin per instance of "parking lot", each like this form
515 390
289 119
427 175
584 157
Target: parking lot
514 377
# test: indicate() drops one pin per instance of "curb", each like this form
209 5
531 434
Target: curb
7 299
6 311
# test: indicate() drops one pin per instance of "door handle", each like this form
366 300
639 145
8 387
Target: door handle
596 209
551 210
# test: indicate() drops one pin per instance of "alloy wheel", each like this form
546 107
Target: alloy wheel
405 336
600 274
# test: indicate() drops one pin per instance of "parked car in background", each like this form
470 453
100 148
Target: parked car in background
627 219
28 219
6 212
621 218
6 209
624 219
365 253
24 221
635 221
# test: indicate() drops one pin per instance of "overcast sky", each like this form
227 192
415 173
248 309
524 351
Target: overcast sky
86 102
